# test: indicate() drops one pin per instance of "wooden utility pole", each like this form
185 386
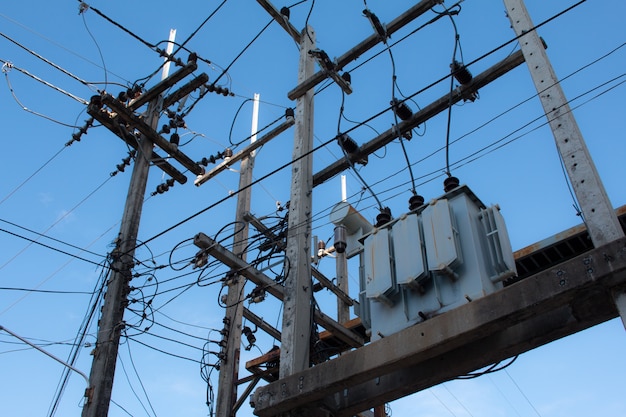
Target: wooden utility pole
229 365
121 120
111 322
297 313
598 213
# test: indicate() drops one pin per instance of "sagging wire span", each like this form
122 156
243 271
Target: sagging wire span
396 105
8 66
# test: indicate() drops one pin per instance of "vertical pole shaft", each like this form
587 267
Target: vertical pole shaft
341 270
229 366
111 321
297 314
600 218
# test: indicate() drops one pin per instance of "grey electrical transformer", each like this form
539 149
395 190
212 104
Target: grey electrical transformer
446 253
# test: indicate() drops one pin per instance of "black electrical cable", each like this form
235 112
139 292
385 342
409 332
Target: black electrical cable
31 176
491 369
517 105
93 38
28 110
84 7
477 154
130 385
48 247
243 51
60 219
454 52
95 301
232 125
47 61
306 21
169 339
34 290
345 154
7 66
51 238
163 351
201 25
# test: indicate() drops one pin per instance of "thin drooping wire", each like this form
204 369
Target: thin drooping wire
143 388
395 116
181 46
457 45
163 351
232 125
32 175
33 112
522 392
306 21
96 298
45 291
47 61
33 241
442 403
457 400
492 146
245 48
63 47
130 385
345 154
93 38
200 26
84 7
7 66
225 70
57 222
51 238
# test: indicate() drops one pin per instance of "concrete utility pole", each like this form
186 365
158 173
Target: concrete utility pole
111 322
341 268
297 314
229 366
599 215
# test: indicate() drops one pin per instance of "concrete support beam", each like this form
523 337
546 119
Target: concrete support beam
552 304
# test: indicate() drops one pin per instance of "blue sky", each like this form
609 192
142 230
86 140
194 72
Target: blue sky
64 196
